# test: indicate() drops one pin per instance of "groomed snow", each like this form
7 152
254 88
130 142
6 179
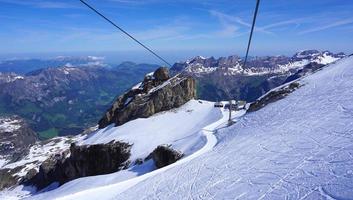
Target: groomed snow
300 147
191 130
162 128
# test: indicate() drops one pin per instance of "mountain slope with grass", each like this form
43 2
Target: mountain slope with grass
66 100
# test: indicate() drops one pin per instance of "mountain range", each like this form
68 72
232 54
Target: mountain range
227 78
25 65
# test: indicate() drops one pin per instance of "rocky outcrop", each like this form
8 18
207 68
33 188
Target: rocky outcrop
8 177
164 155
15 137
86 160
307 69
156 93
273 96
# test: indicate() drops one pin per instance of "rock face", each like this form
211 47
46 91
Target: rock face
161 74
86 160
7 178
310 68
156 93
15 140
15 137
163 155
273 96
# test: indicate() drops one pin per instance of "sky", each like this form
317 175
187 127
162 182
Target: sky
174 29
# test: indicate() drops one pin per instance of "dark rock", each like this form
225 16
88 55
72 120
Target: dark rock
161 74
7 177
138 161
309 68
153 96
273 96
15 137
163 155
86 160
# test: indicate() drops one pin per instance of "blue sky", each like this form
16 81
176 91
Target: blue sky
176 29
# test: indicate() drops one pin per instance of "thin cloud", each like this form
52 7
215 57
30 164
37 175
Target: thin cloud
283 23
227 19
328 26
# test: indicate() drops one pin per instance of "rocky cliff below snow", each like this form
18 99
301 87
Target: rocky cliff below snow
157 92
15 138
85 160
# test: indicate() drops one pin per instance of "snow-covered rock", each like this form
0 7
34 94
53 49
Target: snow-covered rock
15 139
157 92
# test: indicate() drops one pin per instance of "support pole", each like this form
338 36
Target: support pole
230 122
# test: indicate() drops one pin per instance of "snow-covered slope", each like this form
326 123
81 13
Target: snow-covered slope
162 128
188 129
297 148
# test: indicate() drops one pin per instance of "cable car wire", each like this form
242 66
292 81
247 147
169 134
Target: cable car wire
125 32
251 32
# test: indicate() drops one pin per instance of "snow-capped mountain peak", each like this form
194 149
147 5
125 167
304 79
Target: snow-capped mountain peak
233 65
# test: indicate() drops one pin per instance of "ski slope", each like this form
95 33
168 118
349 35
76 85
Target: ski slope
191 130
300 147
162 128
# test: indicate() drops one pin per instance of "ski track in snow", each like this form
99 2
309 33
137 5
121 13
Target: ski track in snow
119 187
300 147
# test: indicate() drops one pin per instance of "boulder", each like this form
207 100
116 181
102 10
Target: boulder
164 155
155 94
161 74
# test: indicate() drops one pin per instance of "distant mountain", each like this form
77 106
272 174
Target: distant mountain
23 66
226 77
66 100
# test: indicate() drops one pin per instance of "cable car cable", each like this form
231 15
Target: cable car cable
251 32
126 33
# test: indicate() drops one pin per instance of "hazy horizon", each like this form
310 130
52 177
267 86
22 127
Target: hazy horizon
140 56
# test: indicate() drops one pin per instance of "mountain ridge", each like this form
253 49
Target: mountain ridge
225 77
